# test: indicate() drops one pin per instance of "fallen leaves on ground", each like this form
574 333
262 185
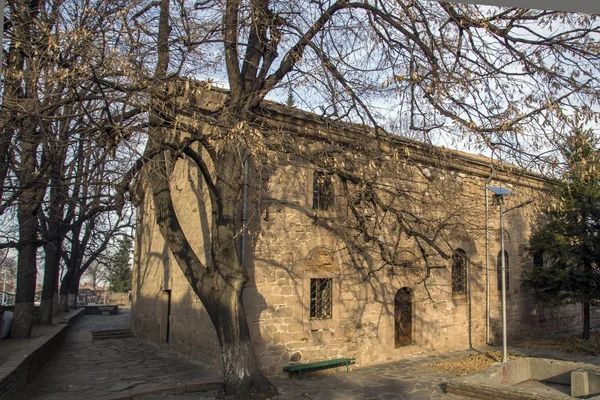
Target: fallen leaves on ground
469 364
568 344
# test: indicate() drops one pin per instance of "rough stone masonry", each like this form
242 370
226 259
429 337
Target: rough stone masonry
319 287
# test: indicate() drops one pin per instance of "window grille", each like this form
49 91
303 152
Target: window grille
459 272
499 270
322 191
320 298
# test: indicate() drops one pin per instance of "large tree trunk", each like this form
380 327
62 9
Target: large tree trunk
53 232
69 286
26 273
28 206
73 289
63 295
55 309
15 97
63 301
52 254
220 286
586 321
242 377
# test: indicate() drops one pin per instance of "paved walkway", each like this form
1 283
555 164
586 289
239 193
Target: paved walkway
119 368
404 379
85 368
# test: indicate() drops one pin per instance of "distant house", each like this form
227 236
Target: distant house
88 294
315 292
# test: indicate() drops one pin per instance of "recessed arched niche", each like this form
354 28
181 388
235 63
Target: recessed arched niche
321 258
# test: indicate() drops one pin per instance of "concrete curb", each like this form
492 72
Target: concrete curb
200 385
503 380
17 372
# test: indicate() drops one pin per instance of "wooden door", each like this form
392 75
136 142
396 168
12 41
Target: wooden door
403 317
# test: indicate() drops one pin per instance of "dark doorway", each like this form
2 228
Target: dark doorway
403 317
166 304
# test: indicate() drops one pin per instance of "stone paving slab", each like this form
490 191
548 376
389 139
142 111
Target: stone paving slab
403 379
396 380
119 368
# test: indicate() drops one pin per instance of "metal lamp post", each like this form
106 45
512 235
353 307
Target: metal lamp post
499 193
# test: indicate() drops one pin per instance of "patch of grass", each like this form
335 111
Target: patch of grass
568 344
468 365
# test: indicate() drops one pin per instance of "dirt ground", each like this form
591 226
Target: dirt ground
468 365
478 362
568 344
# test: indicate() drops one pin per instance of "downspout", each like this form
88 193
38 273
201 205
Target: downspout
487 259
244 216
468 262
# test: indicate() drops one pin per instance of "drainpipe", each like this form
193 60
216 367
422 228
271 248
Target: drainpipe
487 258
244 216
468 262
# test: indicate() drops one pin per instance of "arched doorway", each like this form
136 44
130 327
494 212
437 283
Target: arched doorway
403 317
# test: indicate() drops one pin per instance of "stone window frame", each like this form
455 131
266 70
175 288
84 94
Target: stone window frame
337 202
323 193
321 324
459 254
321 298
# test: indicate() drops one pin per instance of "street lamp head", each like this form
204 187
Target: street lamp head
499 191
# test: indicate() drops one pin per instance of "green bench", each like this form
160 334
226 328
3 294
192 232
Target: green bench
317 365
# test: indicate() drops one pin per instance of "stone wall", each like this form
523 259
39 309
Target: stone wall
164 308
118 298
285 245
22 367
288 244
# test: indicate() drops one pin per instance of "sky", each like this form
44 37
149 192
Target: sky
585 6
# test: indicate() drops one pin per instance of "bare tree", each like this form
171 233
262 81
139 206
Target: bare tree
481 75
57 50
96 273
495 78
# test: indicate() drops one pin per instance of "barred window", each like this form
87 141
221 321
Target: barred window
320 298
499 269
322 191
459 272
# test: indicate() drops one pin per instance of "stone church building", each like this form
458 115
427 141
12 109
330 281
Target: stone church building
334 275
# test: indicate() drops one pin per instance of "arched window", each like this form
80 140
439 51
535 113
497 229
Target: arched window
499 269
323 191
459 272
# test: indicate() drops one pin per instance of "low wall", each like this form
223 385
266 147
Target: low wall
499 381
585 383
120 299
102 309
17 372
